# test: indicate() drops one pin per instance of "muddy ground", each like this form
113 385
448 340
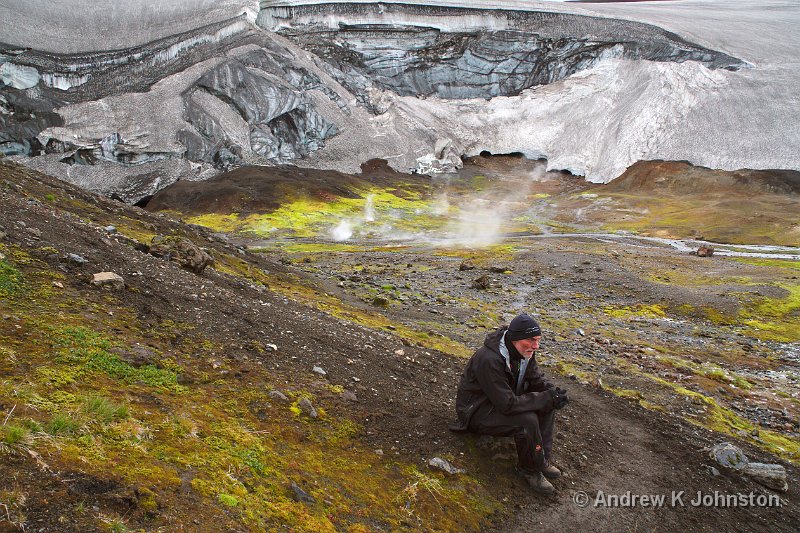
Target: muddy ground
391 323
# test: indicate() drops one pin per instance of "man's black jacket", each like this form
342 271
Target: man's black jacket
488 378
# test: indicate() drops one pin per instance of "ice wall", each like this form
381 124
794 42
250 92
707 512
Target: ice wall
93 91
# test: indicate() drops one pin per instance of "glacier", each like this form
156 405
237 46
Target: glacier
133 103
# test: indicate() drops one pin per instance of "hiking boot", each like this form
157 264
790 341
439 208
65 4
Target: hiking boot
538 483
551 472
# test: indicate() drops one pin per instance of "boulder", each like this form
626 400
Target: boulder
705 251
108 280
728 455
770 475
181 250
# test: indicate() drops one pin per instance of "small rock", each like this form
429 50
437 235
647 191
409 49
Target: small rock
76 259
108 280
319 370
35 232
466 264
482 283
714 471
378 452
728 455
2 256
770 475
110 229
306 406
445 466
380 301
350 396
300 495
138 356
580 332
271 347
278 395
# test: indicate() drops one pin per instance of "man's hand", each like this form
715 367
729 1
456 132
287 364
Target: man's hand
559 397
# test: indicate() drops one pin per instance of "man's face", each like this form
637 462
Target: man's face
526 347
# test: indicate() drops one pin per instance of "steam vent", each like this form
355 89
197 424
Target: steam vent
184 90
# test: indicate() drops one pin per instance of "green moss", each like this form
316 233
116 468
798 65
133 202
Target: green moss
227 499
310 217
721 218
775 318
11 281
625 393
638 311
147 500
775 263
84 350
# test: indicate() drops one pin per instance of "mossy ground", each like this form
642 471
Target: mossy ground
80 404
718 218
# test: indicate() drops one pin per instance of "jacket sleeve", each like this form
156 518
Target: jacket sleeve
492 379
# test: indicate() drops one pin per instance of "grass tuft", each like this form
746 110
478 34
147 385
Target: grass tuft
104 410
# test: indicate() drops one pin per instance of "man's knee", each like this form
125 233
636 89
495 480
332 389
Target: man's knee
529 421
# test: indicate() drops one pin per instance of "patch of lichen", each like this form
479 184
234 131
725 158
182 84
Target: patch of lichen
480 256
775 319
654 392
637 311
236 266
312 248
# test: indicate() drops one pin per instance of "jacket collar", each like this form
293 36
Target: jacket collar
504 350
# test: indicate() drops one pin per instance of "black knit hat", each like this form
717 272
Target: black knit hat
523 327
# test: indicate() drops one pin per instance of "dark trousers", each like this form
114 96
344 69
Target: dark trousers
532 432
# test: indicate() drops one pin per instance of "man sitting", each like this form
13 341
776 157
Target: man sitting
503 393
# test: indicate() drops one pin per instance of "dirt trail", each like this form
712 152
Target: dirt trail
629 449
